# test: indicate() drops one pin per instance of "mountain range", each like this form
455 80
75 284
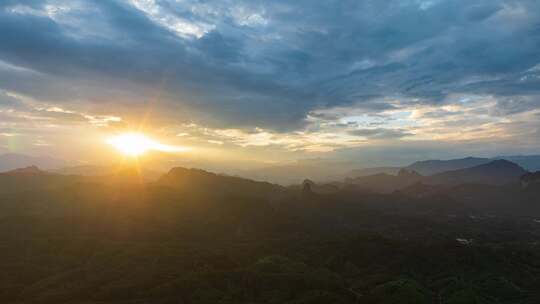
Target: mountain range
319 170
91 170
495 172
491 177
431 167
11 161
203 237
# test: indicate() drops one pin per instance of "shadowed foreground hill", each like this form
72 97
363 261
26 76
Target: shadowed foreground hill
531 179
198 237
196 180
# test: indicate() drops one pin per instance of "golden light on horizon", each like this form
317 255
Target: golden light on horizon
136 144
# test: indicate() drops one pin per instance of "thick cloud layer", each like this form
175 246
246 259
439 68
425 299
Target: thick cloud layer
379 70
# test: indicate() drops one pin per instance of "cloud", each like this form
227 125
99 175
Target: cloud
182 27
284 67
380 133
306 141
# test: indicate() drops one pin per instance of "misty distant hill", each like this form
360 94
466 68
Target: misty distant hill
529 162
497 172
425 167
31 179
372 171
90 170
84 170
26 171
11 161
296 172
386 183
430 167
34 179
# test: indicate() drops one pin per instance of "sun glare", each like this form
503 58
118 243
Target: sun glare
136 144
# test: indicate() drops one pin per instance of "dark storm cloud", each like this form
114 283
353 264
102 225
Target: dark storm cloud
269 63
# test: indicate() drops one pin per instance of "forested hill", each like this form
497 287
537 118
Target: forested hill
198 237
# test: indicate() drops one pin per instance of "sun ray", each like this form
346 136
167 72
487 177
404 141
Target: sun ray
135 144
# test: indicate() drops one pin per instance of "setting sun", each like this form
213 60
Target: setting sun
136 144
132 144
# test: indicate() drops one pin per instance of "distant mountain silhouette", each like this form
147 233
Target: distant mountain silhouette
296 172
11 161
386 183
497 172
529 162
91 170
372 171
430 167
85 170
30 178
28 171
425 167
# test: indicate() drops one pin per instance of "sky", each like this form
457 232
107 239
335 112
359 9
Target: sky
267 82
